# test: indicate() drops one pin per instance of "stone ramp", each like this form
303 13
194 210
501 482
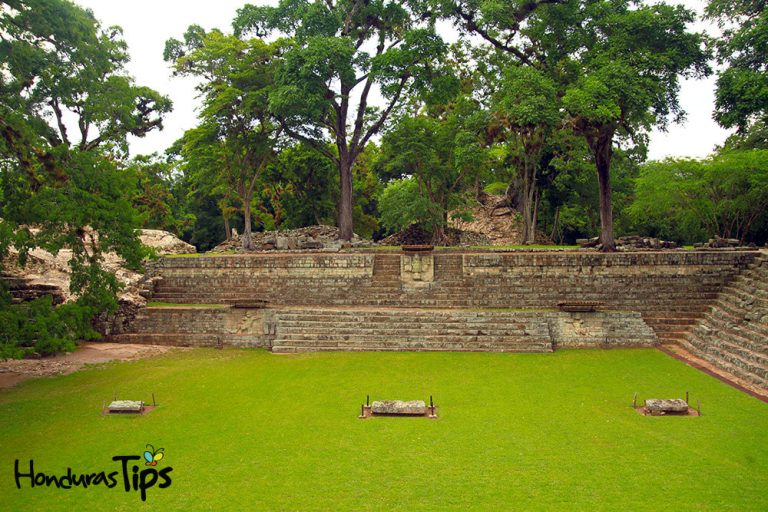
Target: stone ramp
313 330
733 333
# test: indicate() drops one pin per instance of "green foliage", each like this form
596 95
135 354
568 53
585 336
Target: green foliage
742 87
36 327
305 184
62 70
401 204
691 200
442 155
158 194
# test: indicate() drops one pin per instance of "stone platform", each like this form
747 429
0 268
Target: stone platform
714 303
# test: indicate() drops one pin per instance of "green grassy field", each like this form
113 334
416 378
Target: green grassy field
248 430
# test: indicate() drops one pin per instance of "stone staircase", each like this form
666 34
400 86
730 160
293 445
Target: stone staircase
733 332
313 330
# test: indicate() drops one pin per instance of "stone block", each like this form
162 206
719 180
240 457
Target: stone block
657 406
410 408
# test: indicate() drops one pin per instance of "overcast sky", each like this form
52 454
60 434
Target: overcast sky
147 24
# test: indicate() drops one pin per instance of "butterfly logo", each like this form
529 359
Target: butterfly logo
152 456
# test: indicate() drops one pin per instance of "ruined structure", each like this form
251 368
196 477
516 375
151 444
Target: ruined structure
463 301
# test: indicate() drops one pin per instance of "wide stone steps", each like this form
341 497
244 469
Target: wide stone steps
753 333
410 330
718 353
313 346
726 364
732 334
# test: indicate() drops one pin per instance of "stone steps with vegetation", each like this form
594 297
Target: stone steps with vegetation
733 333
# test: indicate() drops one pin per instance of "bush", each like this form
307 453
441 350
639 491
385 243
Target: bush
39 327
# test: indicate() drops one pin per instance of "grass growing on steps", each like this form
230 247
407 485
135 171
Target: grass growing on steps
251 430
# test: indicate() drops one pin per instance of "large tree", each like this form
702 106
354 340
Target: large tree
67 107
617 64
236 137
344 53
629 59
742 87
526 113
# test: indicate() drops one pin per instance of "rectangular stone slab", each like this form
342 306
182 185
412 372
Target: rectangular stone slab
675 406
413 407
125 406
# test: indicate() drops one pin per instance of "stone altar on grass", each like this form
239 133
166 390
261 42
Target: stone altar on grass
126 406
658 407
412 407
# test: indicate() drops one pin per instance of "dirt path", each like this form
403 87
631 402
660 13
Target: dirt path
13 371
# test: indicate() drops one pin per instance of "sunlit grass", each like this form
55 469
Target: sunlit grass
249 430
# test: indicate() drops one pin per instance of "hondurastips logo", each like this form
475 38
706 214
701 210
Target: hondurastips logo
131 476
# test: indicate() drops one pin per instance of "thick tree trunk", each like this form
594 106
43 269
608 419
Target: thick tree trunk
247 240
511 196
227 229
602 149
527 210
345 201
529 206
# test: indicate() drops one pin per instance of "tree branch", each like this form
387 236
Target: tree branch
54 103
364 102
317 146
383 117
520 15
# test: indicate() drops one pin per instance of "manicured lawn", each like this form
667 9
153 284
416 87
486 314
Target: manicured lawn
248 430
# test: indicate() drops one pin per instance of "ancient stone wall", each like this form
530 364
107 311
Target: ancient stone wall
671 290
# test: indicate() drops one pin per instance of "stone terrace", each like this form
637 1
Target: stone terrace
672 290
715 304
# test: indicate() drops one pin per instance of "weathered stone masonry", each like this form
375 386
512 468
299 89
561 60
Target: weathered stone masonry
437 301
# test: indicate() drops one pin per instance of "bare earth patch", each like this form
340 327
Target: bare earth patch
13 371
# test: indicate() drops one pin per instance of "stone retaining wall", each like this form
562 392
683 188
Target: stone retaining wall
671 290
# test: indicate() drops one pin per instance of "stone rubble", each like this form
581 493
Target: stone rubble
724 243
629 243
319 237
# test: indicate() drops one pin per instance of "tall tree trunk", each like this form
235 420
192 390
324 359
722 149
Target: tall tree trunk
528 203
602 150
345 201
247 240
535 215
511 195
227 229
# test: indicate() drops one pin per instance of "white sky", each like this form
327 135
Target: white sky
147 24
